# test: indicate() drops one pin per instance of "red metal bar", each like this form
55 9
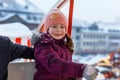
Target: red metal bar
70 16
41 28
28 42
18 40
61 4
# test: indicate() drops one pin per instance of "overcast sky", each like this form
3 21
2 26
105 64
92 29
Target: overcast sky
88 10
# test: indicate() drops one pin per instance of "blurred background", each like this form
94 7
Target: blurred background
95 32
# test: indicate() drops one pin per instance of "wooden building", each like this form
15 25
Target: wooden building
21 11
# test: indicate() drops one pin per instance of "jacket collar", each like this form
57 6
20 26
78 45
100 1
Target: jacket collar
46 38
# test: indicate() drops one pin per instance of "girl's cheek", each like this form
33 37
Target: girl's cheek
63 31
52 32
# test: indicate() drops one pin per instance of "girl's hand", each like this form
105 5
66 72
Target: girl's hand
90 73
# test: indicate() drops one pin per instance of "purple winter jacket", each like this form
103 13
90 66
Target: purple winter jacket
54 60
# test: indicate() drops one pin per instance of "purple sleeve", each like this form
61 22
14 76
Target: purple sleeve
51 61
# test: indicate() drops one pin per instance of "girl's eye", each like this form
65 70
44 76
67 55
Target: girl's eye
54 26
58 27
62 27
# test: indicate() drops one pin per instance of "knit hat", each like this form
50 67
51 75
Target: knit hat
55 17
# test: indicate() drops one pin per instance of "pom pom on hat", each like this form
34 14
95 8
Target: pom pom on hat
55 17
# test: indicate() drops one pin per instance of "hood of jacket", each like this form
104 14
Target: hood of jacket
45 38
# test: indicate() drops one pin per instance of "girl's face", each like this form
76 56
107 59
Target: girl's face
57 31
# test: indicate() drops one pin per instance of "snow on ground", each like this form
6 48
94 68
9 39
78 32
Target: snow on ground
89 59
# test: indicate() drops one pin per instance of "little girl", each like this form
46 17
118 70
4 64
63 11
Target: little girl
53 52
